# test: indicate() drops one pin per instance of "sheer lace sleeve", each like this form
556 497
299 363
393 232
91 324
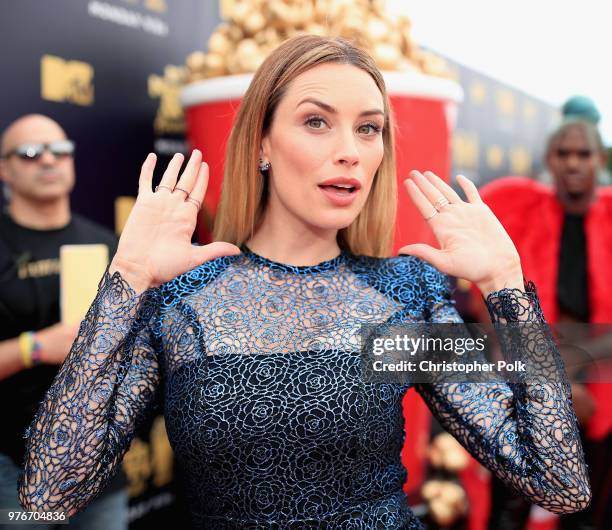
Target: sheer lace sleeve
87 419
525 432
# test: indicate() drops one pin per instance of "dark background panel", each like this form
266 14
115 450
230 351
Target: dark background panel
500 129
116 132
113 134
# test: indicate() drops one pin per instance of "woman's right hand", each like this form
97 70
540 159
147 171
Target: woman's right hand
155 244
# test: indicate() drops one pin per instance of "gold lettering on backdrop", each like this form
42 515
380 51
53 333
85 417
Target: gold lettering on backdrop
63 80
495 156
478 92
123 207
156 5
160 6
529 111
520 161
149 462
169 117
506 101
162 457
466 150
137 467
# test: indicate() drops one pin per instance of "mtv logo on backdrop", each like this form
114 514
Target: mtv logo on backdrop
63 80
169 118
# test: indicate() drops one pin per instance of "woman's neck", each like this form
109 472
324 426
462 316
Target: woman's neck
293 244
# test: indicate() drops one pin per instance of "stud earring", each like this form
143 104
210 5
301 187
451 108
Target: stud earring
264 166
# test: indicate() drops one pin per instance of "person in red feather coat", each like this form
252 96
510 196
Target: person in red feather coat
563 234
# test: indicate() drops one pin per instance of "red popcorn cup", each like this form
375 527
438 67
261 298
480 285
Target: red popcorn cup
424 109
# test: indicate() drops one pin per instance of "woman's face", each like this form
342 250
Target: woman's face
325 144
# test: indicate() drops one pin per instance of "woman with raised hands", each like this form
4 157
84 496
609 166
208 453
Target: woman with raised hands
254 338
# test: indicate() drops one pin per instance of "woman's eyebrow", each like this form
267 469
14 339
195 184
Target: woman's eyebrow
332 110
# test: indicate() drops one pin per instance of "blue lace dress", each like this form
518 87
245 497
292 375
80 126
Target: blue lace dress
258 368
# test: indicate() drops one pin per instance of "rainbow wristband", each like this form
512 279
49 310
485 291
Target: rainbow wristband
29 348
26 345
36 350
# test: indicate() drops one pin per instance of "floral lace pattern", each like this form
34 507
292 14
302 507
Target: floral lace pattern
258 367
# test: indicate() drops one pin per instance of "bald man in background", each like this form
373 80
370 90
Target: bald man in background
37 170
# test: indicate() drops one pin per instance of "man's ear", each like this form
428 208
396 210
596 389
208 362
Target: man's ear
5 188
603 158
547 159
3 172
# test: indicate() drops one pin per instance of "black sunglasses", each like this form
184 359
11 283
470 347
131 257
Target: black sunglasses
60 148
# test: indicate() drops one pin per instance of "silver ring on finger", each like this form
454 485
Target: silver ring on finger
432 215
184 191
194 201
441 203
165 187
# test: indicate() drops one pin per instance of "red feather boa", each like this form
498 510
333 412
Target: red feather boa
533 217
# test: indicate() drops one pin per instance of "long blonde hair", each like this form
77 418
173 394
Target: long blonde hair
244 191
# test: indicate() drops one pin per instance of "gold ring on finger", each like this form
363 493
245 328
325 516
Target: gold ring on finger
165 187
441 203
432 215
181 189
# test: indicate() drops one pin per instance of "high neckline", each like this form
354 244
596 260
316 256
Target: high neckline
323 266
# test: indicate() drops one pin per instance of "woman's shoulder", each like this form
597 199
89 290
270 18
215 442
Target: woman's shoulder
402 266
194 280
404 278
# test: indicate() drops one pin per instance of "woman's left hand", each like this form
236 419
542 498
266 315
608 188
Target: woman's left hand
473 243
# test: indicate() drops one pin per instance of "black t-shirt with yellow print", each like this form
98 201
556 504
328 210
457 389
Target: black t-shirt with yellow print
30 301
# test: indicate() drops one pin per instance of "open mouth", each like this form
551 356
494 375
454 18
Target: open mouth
341 190
339 194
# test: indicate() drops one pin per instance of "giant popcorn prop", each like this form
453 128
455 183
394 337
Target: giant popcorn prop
253 28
